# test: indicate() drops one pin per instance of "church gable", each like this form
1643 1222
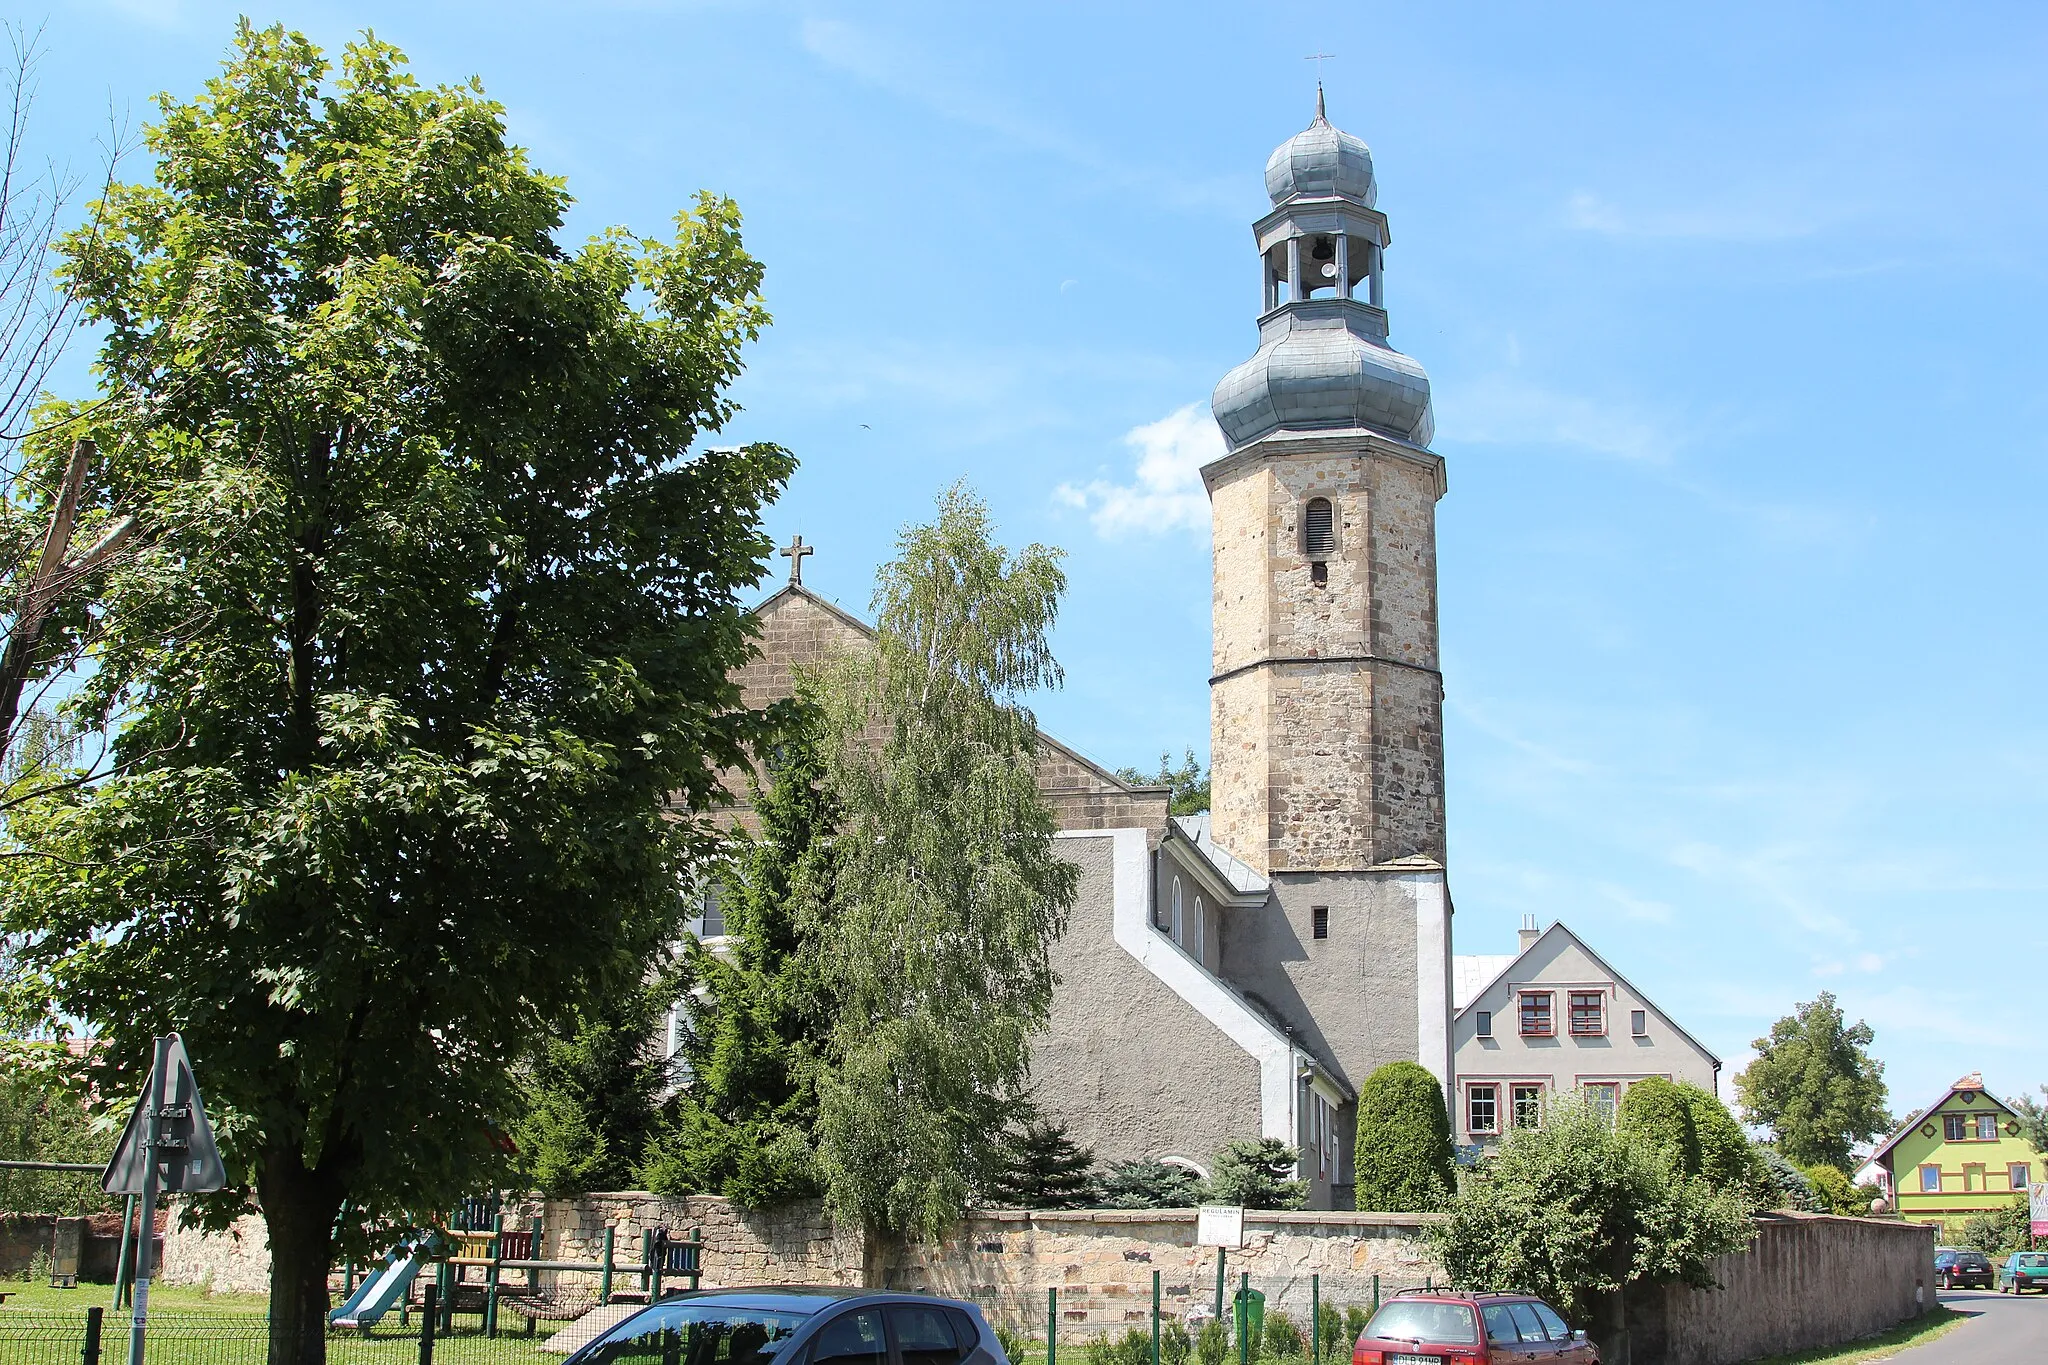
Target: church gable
801 629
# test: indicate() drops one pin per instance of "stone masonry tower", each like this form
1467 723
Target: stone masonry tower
1326 704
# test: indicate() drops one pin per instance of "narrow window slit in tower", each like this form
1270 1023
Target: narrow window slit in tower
1319 573
1322 920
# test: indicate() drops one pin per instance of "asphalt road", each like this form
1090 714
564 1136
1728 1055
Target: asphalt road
2006 1329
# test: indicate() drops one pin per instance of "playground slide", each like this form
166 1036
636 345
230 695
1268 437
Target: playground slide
374 1297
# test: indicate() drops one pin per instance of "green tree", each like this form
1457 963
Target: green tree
1727 1159
1043 1168
593 1094
421 674
1658 1112
756 1025
45 1115
2033 1116
1814 1084
949 889
1148 1184
1259 1174
1577 1211
1402 1157
1189 781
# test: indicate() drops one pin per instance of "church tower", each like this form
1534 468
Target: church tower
1326 704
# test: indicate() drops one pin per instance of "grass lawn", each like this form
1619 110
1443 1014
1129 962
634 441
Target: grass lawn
1883 1346
44 1326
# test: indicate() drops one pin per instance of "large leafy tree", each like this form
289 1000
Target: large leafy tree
949 888
756 1025
1577 1211
421 673
1814 1084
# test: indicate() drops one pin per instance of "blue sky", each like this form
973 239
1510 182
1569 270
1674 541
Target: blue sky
1732 318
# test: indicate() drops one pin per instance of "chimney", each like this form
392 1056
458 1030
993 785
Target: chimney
1529 933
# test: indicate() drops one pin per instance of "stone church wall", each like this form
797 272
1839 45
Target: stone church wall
1129 1067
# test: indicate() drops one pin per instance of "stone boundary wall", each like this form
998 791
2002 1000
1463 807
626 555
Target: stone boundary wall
796 1244
1101 1261
96 1238
1809 1280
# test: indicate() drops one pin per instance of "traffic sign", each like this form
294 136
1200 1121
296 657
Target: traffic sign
181 1147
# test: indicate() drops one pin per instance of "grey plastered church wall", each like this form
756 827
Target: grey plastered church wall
1130 1068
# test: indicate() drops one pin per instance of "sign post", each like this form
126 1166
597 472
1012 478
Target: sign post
167 1147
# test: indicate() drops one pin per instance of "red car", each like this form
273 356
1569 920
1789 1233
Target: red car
1470 1329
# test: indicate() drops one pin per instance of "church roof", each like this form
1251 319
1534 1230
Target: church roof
1241 877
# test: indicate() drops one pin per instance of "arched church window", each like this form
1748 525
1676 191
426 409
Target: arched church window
1176 911
1319 529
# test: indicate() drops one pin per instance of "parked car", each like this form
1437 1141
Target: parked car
804 1325
1963 1269
2023 1270
1470 1329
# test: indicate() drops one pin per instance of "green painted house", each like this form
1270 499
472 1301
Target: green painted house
1962 1155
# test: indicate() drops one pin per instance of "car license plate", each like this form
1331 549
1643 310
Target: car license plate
1412 1358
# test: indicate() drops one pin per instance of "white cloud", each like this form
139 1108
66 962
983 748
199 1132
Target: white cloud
1167 493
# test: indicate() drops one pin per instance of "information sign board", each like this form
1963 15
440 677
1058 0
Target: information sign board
1219 1225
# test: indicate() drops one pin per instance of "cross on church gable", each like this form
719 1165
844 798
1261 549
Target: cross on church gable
794 552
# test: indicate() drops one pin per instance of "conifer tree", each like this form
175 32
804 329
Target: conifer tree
1258 1173
1403 1152
741 1127
1149 1184
1043 1168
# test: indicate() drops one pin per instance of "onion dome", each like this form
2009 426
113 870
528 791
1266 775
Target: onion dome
1321 162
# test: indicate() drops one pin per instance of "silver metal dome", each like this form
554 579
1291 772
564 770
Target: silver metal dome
1321 162
1324 364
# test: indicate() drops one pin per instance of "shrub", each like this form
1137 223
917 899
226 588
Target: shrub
1283 1336
1403 1153
1355 1319
1726 1158
1132 1348
1777 1184
1174 1342
1336 1345
1259 1174
1995 1234
1013 1342
1212 1343
1577 1209
1660 1114
1834 1192
1151 1184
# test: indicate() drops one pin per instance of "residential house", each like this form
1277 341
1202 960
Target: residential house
1554 1016
1962 1155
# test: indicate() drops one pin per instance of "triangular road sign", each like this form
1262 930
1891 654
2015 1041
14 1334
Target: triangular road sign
187 1160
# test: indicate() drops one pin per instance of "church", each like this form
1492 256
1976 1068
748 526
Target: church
1239 973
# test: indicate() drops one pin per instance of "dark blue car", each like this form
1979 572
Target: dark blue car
803 1325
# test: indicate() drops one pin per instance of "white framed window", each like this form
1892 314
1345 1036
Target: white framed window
1528 1103
2018 1175
1987 1127
1199 928
1604 1096
1639 1023
1482 1109
1482 1024
1177 934
1930 1180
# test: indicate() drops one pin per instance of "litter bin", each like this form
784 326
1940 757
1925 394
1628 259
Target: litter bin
1248 1310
